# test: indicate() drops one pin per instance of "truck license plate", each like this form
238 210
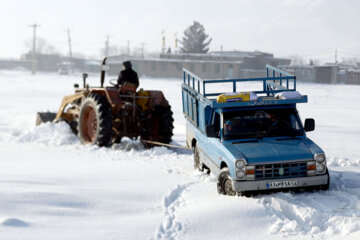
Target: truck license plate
281 184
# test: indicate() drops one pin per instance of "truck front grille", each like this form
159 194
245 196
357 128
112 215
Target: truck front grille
280 170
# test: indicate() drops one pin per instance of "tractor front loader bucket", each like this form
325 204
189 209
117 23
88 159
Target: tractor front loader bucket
68 115
43 117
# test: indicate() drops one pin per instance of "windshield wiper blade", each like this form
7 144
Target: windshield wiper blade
247 141
287 138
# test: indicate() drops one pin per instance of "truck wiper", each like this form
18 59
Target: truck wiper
287 138
247 141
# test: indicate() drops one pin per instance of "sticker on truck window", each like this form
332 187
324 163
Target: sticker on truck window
281 184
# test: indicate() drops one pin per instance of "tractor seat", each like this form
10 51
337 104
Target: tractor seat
128 89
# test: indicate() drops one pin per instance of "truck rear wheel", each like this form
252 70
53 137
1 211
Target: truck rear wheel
198 165
224 183
95 122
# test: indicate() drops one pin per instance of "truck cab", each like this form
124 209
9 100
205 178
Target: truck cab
253 140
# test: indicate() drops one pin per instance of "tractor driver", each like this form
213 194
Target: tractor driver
128 79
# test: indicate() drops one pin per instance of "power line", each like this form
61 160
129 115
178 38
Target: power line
353 54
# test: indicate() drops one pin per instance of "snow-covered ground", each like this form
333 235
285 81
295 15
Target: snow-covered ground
52 187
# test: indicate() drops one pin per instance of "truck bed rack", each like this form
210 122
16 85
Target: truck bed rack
275 81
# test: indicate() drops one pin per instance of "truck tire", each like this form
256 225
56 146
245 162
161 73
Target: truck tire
159 127
224 183
326 186
197 162
198 165
95 121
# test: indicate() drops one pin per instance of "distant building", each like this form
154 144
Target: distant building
213 65
326 74
353 77
54 62
45 62
330 73
12 64
303 73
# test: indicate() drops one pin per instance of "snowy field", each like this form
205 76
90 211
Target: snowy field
52 187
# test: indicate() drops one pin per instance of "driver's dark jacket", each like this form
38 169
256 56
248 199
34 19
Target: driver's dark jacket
128 75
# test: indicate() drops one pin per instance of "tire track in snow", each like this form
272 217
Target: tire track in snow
332 212
170 227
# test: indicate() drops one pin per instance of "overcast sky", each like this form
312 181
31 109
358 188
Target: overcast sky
311 28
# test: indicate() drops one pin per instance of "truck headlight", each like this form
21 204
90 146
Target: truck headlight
240 174
320 162
319 157
320 168
240 164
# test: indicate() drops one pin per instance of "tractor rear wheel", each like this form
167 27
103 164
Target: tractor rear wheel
159 127
95 121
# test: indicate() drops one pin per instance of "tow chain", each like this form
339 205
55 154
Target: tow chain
165 144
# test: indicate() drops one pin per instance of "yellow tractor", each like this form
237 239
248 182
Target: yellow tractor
103 115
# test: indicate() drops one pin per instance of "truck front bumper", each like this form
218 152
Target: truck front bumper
303 182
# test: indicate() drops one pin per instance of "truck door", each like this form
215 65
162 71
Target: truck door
212 147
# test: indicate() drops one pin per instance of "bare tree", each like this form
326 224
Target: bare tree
110 51
314 62
297 60
42 47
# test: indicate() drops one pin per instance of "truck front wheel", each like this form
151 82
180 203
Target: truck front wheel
224 183
326 186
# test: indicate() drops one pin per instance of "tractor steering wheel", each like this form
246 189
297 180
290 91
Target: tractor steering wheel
113 82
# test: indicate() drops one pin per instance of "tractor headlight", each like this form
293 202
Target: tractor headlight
319 157
240 164
240 174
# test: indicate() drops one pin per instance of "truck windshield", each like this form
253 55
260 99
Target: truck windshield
261 123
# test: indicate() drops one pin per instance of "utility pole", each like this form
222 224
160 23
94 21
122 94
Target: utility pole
221 61
142 49
128 48
176 43
107 46
33 69
163 45
336 56
70 51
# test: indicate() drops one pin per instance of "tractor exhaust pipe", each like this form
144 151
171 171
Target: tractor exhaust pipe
85 75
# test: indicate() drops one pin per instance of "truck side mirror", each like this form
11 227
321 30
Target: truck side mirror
210 131
309 125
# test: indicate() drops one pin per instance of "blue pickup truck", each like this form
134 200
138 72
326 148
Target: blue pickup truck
252 140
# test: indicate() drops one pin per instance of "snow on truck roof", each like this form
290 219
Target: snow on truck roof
277 88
